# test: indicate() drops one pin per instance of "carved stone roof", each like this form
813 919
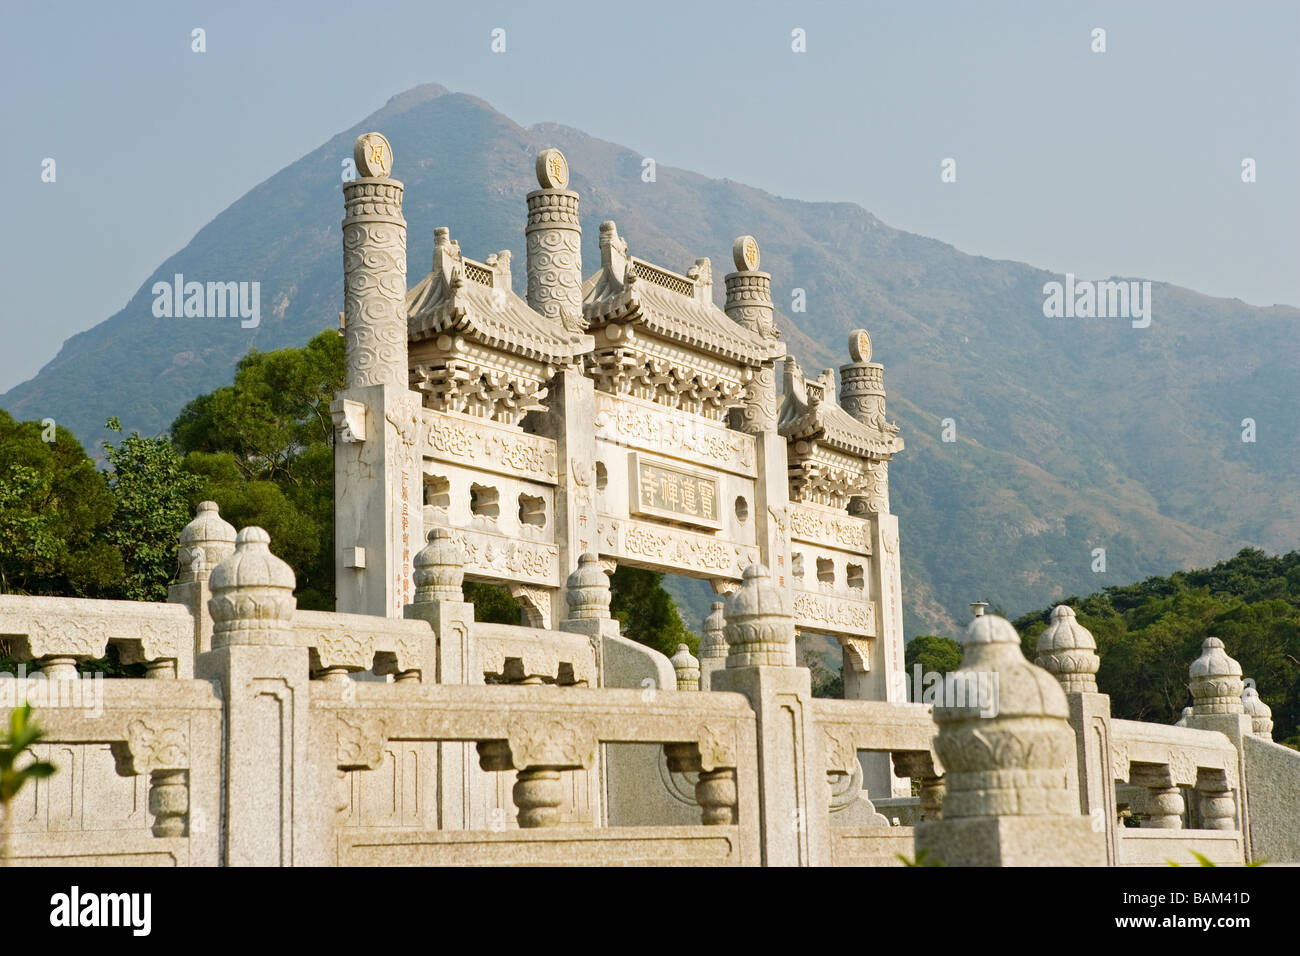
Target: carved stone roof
474 298
809 411
677 307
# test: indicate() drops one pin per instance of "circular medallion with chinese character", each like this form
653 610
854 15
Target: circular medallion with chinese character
373 155
860 345
552 169
745 254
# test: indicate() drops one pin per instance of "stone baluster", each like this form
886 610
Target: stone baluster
1008 770
169 802
687 668
1163 807
715 787
1215 800
713 645
920 767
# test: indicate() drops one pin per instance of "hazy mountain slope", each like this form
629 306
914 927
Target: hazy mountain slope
1072 433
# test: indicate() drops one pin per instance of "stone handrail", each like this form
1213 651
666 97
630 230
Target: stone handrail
58 632
513 654
1185 751
138 772
540 732
343 643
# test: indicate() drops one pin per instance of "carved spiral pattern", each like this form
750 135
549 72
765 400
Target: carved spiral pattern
374 302
758 414
555 275
749 302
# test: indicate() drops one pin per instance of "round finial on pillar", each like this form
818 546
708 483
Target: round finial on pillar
744 252
860 346
1215 681
1068 651
439 568
713 646
252 594
977 608
1004 733
1182 718
687 668
760 625
587 590
204 543
552 169
1261 715
373 156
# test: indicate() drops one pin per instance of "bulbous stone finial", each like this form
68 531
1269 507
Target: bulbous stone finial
439 568
1008 749
1068 651
687 668
1261 715
1182 718
587 590
204 543
760 625
713 646
252 594
1215 681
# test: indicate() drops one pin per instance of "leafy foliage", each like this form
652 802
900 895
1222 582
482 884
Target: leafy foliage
647 612
1149 632
941 655
263 449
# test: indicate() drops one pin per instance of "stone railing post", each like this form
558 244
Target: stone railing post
687 668
1068 651
1217 687
204 543
267 787
713 645
794 797
1010 769
447 658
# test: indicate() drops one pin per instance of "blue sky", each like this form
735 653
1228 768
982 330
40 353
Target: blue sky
1126 162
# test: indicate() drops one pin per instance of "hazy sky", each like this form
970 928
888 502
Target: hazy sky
1126 162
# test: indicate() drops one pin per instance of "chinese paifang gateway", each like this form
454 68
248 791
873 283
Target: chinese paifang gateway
537 443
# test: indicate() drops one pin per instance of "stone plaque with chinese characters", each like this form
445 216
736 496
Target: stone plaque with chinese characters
672 493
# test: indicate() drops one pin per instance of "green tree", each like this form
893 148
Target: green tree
647 612
152 492
54 511
939 654
263 449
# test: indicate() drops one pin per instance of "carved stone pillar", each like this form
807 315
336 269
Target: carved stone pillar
374 270
1009 799
1215 800
377 517
204 543
263 672
554 244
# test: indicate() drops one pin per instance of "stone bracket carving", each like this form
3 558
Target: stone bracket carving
361 742
349 419
151 746
547 742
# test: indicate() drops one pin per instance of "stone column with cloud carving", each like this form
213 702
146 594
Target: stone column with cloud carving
268 813
554 244
378 514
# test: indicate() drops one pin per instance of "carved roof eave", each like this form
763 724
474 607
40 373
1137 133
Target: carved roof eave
832 426
702 326
496 318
